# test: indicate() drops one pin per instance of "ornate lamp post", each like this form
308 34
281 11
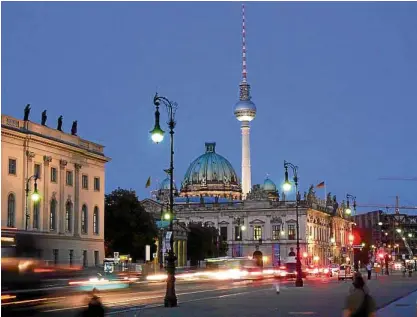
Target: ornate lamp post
287 187
34 197
157 135
349 211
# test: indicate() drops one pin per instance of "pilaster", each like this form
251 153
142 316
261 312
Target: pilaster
77 200
44 215
62 182
29 157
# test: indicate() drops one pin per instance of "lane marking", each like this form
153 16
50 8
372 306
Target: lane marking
302 313
112 304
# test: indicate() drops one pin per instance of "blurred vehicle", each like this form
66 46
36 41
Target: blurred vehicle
345 272
398 266
334 269
289 269
238 267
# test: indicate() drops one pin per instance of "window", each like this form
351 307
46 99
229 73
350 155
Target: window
69 178
84 219
85 261
85 182
238 233
68 217
257 232
54 175
36 211
96 259
276 230
71 257
37 170
52 215
223 233
291 232
12 166
55 253
95 220
97 184
11 210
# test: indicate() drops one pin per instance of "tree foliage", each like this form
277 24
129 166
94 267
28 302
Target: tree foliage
128 227
204 242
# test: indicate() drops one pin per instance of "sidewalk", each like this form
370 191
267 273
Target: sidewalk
404 307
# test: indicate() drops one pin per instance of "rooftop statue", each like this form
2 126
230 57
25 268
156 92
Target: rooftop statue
74 127
44 117
59 127
27 112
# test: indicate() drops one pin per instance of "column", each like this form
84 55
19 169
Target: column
77 200
44 221
61 206
246 168
184 252
175 251
28 201
179 254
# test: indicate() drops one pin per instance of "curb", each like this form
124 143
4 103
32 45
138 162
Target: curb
396 299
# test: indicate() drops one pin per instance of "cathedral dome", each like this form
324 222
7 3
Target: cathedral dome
269 185
211 175
165 184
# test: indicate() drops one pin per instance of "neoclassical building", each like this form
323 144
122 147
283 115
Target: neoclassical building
210 193
68 220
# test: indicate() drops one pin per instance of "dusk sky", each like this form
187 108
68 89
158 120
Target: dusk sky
335 86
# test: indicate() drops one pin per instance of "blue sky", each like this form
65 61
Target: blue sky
334 83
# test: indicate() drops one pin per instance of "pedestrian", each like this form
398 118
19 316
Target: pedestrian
95 307
359 303
369 270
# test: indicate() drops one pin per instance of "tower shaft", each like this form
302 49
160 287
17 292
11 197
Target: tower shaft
246 168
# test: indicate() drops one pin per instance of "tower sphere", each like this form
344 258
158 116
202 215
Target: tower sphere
245 110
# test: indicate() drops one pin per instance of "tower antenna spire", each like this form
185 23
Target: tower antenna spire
244 71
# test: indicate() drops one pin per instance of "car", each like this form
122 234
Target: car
345 272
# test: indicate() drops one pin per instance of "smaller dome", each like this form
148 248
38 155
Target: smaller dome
165 184
269 185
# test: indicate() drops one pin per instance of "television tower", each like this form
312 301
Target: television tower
245 112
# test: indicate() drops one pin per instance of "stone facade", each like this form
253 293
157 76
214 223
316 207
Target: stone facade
68 221
269 226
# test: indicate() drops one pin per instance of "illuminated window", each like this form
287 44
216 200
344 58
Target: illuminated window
95 220
291 232
52 215
257 232
68 217
84 217
11 210
276 230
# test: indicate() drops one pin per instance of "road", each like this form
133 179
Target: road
319 297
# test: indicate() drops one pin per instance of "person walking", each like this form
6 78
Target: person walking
359 303
95 307
369 270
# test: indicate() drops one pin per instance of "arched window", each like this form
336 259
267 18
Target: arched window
95 220
11 208
68 217
36 211
84 218
52 215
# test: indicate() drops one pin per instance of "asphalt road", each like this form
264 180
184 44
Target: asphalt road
319 297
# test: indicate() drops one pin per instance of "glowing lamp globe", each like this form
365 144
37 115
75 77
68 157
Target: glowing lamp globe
167 216
348 211
157 134
286 187
35 196
243 228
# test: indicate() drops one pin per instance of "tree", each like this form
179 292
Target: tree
128 227
204 242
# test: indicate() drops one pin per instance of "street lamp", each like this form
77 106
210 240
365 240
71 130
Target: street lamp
287 186
35 197
348 211
157 135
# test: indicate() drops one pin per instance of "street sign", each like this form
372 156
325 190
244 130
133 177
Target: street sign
161 224
168 240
